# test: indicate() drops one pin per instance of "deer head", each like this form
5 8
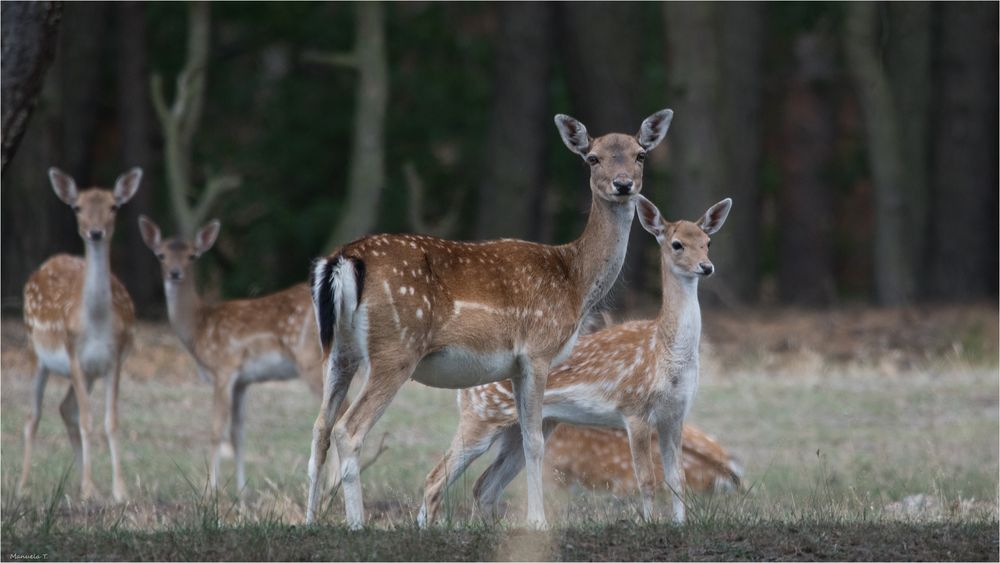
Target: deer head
615 159
95 208
684 244
176 255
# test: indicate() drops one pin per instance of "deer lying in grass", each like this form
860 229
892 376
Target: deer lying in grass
457 314
79 319
639 375
234 343
600 458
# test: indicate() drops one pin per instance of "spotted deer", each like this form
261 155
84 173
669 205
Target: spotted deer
79 319
639 375
234 343
600 458
458 314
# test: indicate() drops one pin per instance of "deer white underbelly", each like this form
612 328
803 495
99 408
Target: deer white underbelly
456 367
268 367
56 360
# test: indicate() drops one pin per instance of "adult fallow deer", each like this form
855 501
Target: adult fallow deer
458 314
79 319
640 376
234 343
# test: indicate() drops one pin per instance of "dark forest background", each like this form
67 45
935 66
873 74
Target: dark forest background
858 141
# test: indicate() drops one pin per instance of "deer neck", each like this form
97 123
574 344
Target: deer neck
679 321
184 307
600 251
97 282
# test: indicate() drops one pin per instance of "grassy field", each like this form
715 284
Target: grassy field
836 451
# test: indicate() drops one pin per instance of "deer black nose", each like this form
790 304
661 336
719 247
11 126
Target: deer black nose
622 185
96 234
707 268
175 274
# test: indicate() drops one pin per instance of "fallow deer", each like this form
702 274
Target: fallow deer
79 319
234 343
600 458
458 314
639 375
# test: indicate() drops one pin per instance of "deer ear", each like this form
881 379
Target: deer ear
205 237
573 134
64 185
649 217
127 184
716 215
150 232
654 128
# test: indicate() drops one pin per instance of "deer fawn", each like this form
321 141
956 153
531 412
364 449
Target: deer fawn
640 375
599 458
234 343
79 319
459 314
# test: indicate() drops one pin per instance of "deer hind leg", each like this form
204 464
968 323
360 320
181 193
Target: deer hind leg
111 432
31 427
236 433
342 369
640 436
670 452
471 441
508 463
389 371
529 388
333 460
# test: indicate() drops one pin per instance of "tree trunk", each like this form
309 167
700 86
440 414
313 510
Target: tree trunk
512 191
893 279
908 64
602 63
805 219
715 55
137 264
29 34
963 243
366 178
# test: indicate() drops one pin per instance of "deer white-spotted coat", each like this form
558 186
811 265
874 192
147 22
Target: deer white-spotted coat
639 375
234 343
79 319
600 458
458 314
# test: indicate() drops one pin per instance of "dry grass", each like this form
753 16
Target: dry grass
831 436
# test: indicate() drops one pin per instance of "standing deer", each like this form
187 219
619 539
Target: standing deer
79 319
458 314
639 375
600 458
234 343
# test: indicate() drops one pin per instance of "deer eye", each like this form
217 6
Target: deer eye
77 208
114 207
192 256
709 244
640 157
676 245
161 257
593 159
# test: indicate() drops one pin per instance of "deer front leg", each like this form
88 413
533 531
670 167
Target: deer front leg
111 432
30 427
221 410
529 388
669 433
640 436
236 433
80 387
